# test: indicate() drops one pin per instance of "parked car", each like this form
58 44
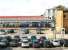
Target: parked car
64 42
55 43
47 43
17 38
8 38
3 42
30 42
13 43
33 38
24 42
41 41
34 42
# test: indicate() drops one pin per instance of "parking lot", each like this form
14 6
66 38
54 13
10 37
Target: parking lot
19 48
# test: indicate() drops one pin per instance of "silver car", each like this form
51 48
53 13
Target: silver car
24 42
55 43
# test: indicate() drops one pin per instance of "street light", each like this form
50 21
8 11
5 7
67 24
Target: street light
62 36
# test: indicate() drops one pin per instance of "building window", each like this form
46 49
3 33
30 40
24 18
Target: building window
42 24
66 32
8 25
35 24
2 30
27 31
11 31
47 24
1 25
39 31
24 25
11 25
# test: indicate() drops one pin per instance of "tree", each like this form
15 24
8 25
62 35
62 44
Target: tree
60 7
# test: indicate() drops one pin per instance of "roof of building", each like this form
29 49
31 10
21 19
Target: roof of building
23 17
65 9
60 7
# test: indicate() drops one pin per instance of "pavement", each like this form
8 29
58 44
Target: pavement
19 48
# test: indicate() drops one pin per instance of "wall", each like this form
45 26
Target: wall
47 33
59 20
65 20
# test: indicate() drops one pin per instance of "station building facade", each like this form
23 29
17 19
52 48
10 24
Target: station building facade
26 25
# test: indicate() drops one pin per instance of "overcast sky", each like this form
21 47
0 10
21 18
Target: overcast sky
27 7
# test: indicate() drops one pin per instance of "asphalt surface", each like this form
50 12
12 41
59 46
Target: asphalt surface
19 48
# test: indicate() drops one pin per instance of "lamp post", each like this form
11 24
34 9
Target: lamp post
62 36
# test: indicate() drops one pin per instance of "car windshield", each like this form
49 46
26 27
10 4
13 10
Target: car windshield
13 40
0 38
16 36
4 40
55 41
24 38
36 42
33 37
43 38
